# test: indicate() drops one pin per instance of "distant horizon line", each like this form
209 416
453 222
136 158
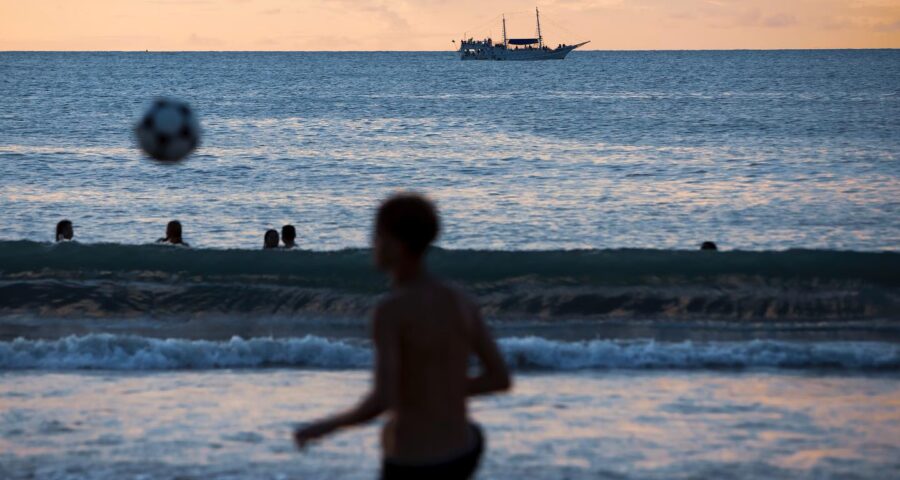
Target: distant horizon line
455 51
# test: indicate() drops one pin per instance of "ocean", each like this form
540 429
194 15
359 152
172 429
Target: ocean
574 195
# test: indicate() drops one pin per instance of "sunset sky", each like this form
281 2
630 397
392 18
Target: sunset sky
432 24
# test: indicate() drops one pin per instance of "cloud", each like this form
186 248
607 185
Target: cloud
181 2
780 20
379 9
199 41
311 42
747 18
888 27
585 5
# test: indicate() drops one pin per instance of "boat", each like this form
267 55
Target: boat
517 49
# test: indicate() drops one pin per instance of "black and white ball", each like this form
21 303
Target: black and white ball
169 131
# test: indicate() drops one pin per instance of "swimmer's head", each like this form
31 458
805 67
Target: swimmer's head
270 240
708 246
64 230
405 226
288 234
173 232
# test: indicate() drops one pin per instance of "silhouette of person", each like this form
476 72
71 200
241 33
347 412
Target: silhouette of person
173 234
424 333
288 234
270 240
708 246
64 231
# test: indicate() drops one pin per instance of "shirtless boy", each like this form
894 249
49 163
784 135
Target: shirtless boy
424 334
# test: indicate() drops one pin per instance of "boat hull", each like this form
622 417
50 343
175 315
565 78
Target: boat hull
520 55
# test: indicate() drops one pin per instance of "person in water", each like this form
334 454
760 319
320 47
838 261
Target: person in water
270 239
173 234
424 333
64 231
288 235
708 246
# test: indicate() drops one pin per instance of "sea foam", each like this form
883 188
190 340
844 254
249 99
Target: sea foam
130 352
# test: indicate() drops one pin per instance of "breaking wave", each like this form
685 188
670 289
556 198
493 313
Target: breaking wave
129 352
106 280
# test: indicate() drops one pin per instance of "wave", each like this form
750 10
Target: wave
128 352
102 280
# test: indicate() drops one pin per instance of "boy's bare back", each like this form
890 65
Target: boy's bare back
431 330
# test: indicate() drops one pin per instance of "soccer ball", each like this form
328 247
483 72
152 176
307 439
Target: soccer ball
169 131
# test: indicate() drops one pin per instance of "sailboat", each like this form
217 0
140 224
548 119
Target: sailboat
514 48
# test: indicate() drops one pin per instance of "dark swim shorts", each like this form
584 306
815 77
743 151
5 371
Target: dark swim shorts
459 468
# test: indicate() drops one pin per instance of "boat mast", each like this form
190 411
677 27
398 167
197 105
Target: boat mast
504 30
537 14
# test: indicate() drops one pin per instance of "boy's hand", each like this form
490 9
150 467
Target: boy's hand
306 433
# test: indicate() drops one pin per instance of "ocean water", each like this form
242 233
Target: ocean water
574 197
755 150
583 425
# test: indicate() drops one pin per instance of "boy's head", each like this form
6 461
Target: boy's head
270 239
405 226
64 230
288 234
173 230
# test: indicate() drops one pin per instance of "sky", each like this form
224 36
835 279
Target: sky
432 24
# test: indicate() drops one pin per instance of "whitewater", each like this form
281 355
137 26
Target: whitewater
115 352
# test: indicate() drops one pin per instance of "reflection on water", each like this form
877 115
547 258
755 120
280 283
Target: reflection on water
756 150
585 425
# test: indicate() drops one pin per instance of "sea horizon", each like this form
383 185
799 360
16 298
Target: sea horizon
690 260
576 52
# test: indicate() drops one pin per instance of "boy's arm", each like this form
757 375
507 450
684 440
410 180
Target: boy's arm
380 398
494 376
